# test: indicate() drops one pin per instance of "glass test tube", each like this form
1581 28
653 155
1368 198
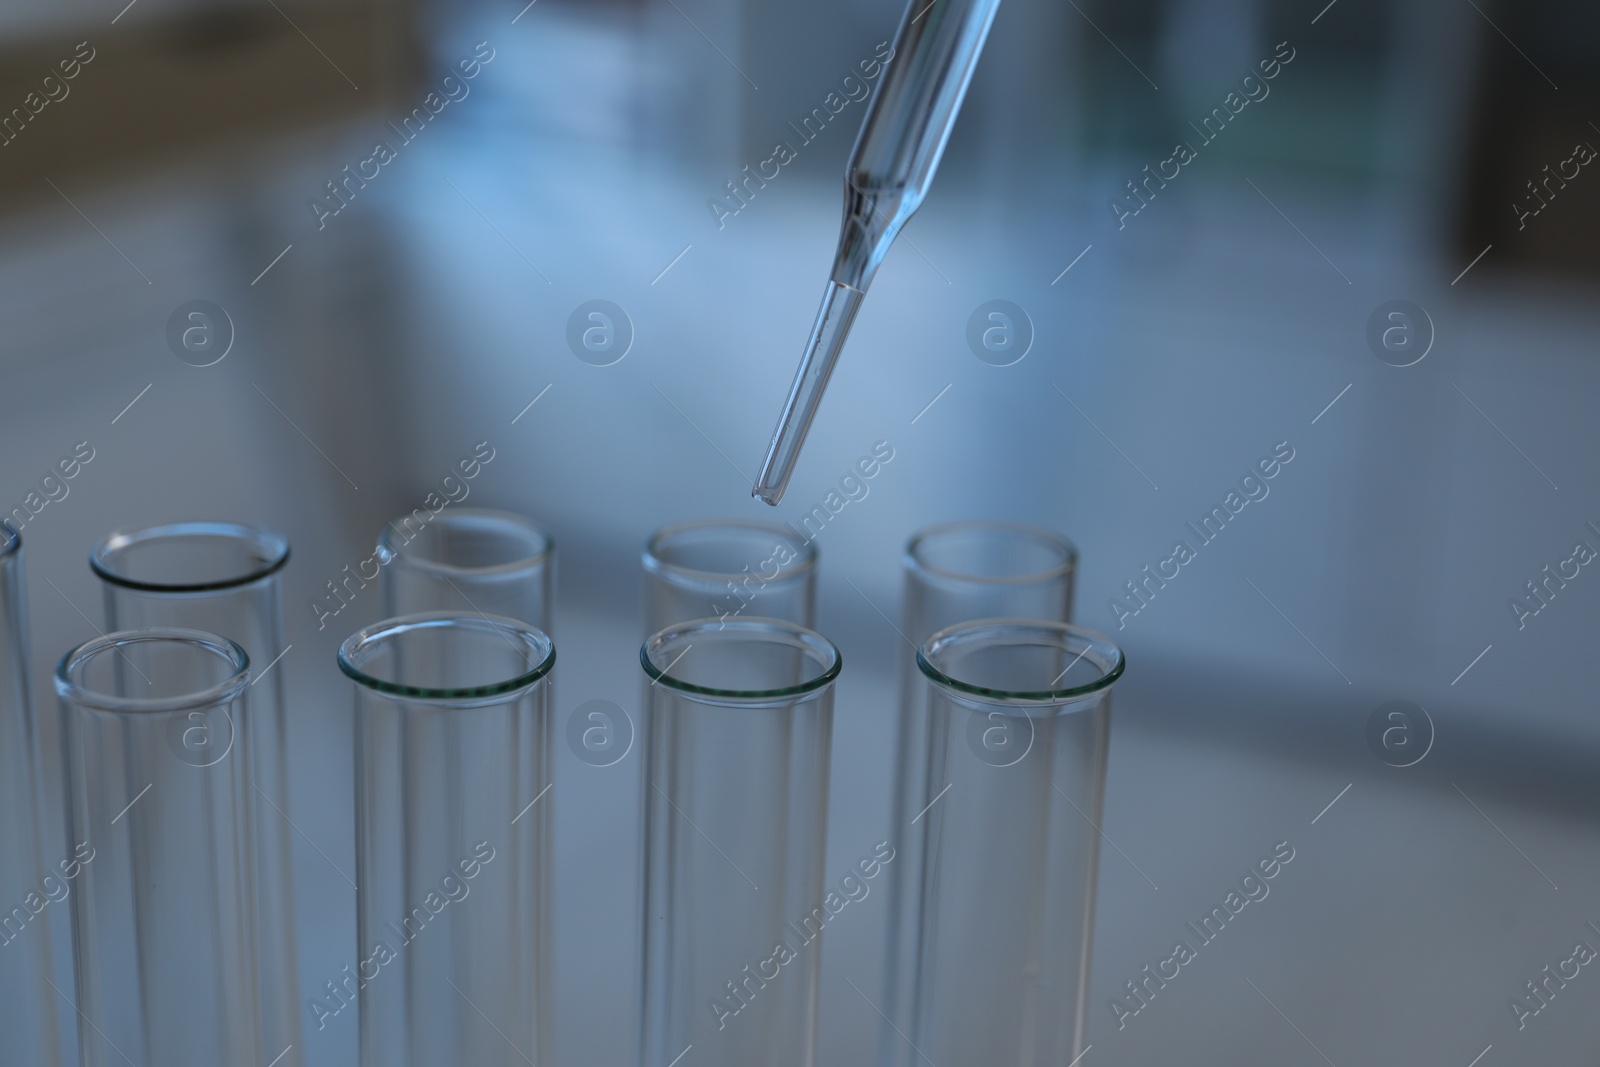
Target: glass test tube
470 561
452 839
954 572
736 802
162 894
729 568
724 570
1018 716
32 886
223 578
960 571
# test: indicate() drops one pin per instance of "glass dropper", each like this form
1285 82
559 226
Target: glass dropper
890 170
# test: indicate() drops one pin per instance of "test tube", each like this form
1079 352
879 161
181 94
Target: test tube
736 801
470 561
960 571
452 835
1018 714
726 569
162 890
224 578
31 885
954 572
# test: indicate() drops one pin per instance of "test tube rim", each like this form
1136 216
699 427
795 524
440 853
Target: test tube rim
13 539
224 692
388 551
916 560
273 548
1111 670
803 636
460 696
805 561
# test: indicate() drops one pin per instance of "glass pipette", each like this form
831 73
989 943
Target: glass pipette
896 153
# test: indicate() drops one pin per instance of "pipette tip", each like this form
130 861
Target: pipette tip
839 305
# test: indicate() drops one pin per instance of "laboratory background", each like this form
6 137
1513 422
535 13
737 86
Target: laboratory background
1172 245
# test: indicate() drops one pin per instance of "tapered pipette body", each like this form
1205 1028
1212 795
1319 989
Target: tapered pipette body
901 141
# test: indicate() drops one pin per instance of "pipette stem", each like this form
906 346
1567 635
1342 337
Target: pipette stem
838 311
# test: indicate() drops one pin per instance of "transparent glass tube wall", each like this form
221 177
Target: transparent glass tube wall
956 572
962 571
162 900
32 886
224 578
736 798
470 561
1018 718
728 568
452 839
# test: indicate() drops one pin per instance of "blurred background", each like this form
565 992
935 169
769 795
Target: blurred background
377 328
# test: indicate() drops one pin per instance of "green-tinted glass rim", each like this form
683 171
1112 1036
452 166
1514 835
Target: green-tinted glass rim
1070 636
272 547
391 628
826 652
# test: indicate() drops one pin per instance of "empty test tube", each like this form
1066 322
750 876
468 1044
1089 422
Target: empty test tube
1007 843
226 579
983 569
722 571
470 561
736 796
452 839
31 879
954 572
728 568
162 893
